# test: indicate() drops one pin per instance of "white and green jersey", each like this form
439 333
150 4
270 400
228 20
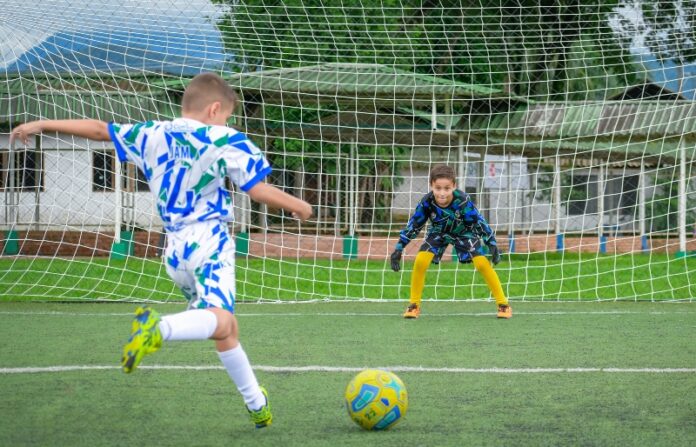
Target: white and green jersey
185 163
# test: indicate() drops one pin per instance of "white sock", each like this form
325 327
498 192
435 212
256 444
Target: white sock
196 324
238 367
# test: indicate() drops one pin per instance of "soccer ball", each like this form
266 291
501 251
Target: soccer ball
376 399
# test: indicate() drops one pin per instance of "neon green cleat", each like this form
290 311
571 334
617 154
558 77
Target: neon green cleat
262 417
145 338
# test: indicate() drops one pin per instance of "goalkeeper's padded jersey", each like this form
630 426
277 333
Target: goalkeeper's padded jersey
460 219
185 163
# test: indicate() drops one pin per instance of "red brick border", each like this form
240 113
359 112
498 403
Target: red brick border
285 245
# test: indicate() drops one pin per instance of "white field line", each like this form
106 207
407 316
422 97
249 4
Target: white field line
350 314
346 369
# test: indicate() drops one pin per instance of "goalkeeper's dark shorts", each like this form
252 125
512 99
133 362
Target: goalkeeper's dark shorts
466 248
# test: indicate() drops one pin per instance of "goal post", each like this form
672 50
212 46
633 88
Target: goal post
576 147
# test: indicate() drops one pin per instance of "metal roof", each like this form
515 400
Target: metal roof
339 83
366 87
613 130
107 99
660 151
610 119
609 130
101 107
154 85
371 129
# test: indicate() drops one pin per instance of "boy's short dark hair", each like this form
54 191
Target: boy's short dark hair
442 171
205 89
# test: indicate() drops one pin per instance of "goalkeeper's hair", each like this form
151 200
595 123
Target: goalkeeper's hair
442 171
206 88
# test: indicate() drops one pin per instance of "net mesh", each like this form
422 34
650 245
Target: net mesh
571 126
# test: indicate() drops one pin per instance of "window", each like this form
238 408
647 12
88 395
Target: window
133 178
4 170
140 180
27 172
581 195
621 195
629 194
103 171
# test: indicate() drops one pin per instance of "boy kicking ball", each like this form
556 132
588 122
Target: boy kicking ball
186 162
453 220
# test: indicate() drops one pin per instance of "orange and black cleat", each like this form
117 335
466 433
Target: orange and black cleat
504 311
412 311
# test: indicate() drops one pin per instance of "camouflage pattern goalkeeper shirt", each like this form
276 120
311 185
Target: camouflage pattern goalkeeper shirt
460 220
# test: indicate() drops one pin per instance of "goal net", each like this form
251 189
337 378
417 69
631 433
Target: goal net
572 128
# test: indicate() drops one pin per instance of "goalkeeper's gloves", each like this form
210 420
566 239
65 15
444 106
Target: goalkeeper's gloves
495 254
396 260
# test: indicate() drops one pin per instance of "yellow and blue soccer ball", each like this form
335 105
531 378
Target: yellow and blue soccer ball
376 399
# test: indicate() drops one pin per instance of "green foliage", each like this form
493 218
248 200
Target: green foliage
557 50
302 162
571 189
662 208
666 28
378 173
542 50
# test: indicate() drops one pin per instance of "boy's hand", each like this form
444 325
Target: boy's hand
91 129
275 198
23 131
396 260
304 213
495 254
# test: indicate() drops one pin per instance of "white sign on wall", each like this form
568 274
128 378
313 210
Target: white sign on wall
500 172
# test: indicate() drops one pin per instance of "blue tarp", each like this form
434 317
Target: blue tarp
668 74
124 51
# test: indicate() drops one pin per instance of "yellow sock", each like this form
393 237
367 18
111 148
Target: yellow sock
484 267
420 267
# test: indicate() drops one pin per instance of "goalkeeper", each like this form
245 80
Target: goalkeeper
454 220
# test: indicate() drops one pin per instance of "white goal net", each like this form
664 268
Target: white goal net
571 126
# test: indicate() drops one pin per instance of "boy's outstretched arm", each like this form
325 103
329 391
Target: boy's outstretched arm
413 227
485 232
92 129
275 198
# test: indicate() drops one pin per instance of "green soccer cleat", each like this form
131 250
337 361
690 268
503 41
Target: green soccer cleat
262 417
145 338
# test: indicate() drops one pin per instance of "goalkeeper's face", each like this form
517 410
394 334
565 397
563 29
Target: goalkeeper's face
443 190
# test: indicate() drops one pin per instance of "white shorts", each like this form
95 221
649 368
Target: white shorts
200 260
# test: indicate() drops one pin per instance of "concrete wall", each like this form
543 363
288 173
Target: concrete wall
68 199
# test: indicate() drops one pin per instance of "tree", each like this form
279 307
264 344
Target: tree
659 36
665 28
538 49
557 50
533 48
